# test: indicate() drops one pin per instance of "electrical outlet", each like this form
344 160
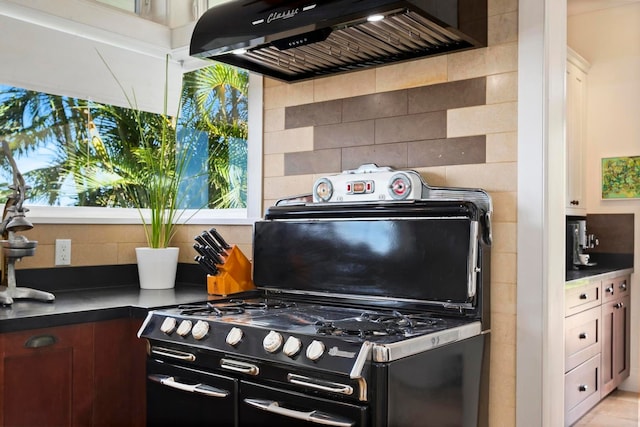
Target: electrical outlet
63 251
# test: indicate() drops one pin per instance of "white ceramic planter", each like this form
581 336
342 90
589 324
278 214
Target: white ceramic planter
157 267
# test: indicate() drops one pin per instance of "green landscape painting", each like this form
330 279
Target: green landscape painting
621 177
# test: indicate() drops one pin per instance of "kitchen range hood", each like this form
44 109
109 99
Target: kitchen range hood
294 40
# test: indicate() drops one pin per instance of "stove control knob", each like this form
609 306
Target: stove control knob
200 329
234 336
292 346
169 325
184 328
315 350
272 342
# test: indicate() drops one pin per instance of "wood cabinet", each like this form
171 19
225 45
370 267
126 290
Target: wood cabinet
576 92
616 318
47 377
597 334
89 374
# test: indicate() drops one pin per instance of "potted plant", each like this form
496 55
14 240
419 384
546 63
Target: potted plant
153 187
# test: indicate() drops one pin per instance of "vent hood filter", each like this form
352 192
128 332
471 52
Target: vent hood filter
296 40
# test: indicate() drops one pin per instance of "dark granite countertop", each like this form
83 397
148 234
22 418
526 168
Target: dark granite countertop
91 294
90 305
596 272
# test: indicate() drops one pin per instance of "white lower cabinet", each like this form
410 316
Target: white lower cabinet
597 331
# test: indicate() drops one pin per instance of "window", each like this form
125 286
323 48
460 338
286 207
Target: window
57 135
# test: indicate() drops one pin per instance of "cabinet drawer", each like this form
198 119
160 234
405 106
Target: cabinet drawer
582 389
615 288
582 337
579 298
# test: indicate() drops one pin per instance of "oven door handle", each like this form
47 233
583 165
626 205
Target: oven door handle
319 384
205 389
316 417
237 366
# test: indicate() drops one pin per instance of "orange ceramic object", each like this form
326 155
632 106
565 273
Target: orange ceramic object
234 275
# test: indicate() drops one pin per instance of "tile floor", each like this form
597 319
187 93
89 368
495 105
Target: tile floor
619 409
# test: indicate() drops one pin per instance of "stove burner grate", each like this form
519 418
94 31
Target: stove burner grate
377 324
232 307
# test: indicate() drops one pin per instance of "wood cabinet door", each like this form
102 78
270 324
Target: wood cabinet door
46 377
118 383
615 343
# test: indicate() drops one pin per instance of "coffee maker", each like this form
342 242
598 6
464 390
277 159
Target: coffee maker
578 240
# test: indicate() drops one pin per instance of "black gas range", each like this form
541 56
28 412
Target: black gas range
366 313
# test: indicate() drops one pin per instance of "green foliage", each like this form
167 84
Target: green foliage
621 177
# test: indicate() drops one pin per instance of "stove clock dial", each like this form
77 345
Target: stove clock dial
272 342
200 329
184 328
292 346
169 325
234 336
315 350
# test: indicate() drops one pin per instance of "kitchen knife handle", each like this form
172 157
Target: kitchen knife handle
219 238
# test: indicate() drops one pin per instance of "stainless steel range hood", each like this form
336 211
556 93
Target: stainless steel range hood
294 40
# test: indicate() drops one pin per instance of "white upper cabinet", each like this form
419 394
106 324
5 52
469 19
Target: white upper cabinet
577 68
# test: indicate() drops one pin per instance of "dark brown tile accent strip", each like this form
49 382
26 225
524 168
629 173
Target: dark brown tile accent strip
394 155
377 105
414 127
307 162
451 151
343 135
615 232
444 96
319 113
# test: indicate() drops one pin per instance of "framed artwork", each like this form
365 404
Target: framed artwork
621 178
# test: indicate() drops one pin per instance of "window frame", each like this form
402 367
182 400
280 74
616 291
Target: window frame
105 215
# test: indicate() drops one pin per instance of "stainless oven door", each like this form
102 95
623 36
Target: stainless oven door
262 405
178 396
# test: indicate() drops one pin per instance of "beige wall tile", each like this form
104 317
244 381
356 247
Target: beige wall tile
345 85
278 187
502 387
502 88
504 237
434 176
273 165
503 328
504 206
503 268
490 177
289 141
467 64
503 28
502 147
502 58
495 7
283 94
484 119
421 72
503 297
273 120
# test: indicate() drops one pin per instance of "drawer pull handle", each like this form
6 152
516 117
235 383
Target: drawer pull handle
619 305
609 290
584 296
583 336
623 286
583 387
40 341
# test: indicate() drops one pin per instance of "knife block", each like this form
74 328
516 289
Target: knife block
234 275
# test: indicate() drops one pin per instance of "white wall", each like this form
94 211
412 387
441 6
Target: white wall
610 40
44 58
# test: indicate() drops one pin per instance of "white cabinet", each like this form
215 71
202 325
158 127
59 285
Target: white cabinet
596 341
576 92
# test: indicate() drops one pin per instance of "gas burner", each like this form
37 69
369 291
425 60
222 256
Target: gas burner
376 324
231 307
